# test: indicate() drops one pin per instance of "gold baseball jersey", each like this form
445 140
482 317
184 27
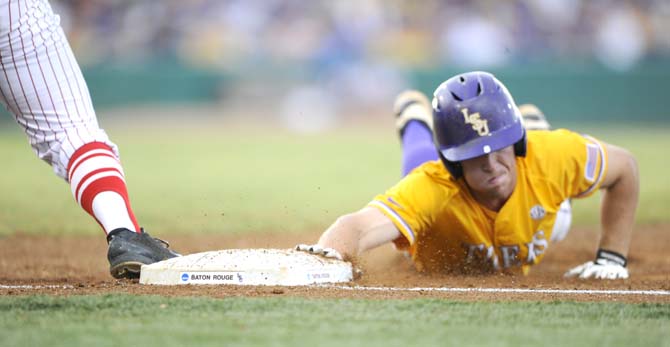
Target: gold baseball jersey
445 229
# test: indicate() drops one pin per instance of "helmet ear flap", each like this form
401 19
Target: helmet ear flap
454 167
520 146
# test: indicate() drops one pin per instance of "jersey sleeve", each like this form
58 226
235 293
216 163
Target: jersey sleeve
412 204
582 160
594 167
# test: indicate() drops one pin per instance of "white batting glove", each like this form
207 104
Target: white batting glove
330 253
608 265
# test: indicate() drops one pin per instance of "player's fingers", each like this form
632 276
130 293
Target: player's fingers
570 273
624 274
316 249
618 272
332 253
358 273
302 247
577 270
590 271
600 273
574 271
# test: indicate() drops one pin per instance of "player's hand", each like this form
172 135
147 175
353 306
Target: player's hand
608 265
330 253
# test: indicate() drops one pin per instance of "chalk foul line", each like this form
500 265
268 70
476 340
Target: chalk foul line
39 286
431 289
504 290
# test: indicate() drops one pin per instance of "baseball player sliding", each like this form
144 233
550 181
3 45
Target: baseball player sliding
42 87
499 194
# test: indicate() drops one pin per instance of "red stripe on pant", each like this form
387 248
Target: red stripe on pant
71 172
83 150
103 184
106 184
91 174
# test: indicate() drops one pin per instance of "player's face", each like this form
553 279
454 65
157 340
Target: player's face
491 177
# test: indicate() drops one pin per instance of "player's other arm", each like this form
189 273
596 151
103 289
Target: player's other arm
621 188
355 233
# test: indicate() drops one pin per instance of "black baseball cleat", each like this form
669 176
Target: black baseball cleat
129 250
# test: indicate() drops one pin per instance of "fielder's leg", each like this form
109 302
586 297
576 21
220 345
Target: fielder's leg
41 84
414 121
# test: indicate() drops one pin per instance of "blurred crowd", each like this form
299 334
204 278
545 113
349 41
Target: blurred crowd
229 34
360 48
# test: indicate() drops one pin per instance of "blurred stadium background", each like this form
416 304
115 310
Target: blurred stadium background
601 60
212 93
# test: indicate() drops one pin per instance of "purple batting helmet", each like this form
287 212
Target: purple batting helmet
473 115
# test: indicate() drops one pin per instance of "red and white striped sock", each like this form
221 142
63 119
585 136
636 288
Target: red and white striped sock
98 185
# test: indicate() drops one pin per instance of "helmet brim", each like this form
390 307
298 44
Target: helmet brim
485 144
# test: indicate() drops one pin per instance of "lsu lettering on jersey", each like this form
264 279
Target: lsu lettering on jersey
445 229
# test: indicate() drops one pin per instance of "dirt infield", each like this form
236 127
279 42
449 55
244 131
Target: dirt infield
71 265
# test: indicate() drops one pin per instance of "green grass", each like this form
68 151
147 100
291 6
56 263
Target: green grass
120 320
210 180
649 145
219 179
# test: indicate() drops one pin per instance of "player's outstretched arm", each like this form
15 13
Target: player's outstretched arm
621 188
354 233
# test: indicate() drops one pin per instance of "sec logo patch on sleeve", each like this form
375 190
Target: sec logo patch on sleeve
591 162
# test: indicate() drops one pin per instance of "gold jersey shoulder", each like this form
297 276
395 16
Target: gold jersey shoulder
445 229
